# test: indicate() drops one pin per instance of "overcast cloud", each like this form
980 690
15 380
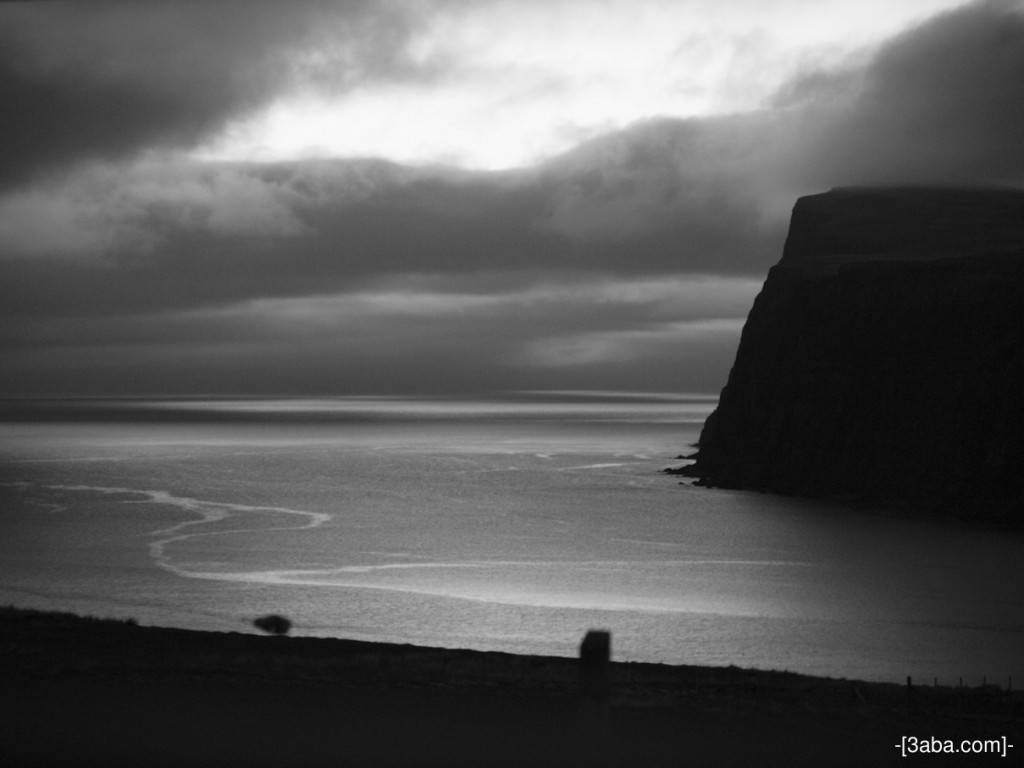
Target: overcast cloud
130 262
86 79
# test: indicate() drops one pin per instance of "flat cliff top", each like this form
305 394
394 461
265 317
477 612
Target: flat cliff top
853 224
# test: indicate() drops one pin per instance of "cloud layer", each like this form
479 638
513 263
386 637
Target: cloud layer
109 78
627 262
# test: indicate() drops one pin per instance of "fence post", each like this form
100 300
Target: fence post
595 655
1009 696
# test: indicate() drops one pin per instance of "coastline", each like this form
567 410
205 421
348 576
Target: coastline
83 691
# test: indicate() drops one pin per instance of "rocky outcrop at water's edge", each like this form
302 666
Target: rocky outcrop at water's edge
884 357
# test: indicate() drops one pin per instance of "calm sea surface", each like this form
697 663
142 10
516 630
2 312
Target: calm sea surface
510 524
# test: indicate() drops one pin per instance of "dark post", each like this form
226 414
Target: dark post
595 655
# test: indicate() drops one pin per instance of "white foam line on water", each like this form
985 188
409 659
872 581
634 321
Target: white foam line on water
483 564
631 603
595 466
347 576
649 543
67 460
209 512
341 576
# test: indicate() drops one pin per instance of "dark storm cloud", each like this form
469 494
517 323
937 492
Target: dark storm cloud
225 234
686 195
941 103
348 275
107 78
417 337
698 196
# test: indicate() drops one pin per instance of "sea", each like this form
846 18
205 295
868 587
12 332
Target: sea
511 523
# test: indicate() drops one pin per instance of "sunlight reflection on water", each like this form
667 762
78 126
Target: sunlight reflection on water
500 526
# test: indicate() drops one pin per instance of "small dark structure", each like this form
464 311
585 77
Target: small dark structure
592 745
273 624
595 654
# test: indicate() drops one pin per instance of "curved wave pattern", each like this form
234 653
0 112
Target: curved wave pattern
209 512
534 583
489 580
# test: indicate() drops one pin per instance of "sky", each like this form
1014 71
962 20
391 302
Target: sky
316 197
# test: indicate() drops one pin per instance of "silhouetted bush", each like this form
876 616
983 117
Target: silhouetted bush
273 624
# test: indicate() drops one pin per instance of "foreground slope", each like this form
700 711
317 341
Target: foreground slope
86 692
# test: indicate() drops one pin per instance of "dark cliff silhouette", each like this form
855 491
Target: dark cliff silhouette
884 357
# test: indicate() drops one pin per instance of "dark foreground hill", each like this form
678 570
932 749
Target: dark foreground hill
884 357
77 691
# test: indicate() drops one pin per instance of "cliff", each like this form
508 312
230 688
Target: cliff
884 357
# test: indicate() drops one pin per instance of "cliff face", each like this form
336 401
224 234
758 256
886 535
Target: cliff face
884 357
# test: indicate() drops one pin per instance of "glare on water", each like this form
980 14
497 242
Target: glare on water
509 525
